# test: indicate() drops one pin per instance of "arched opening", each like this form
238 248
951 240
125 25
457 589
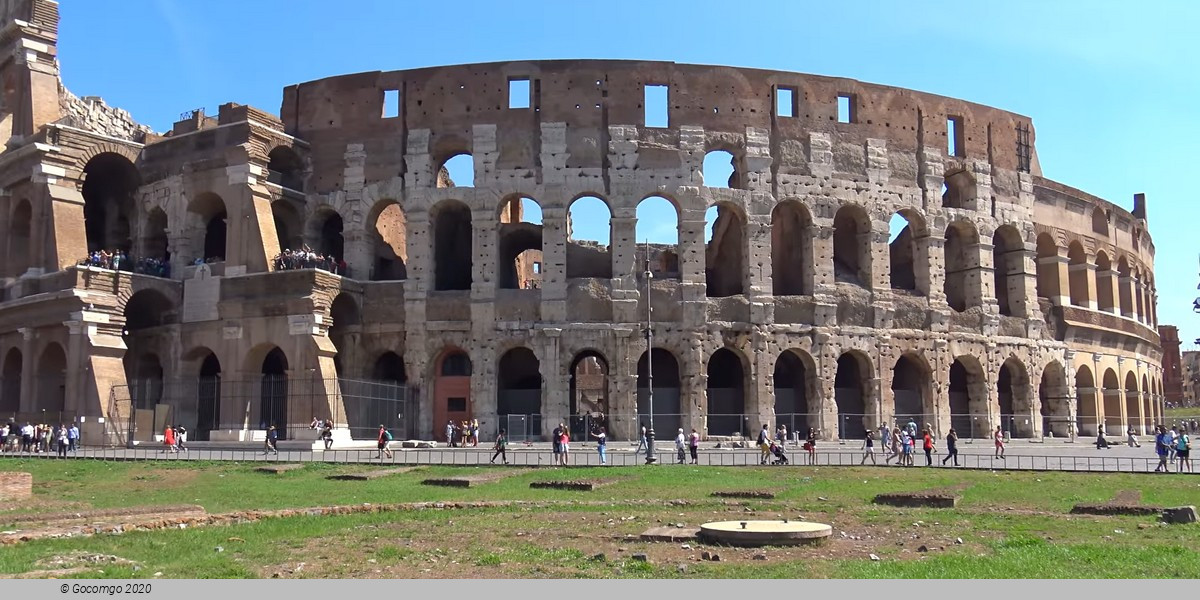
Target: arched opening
1016 403
968 398
20 240
791 249
325 233
1100 223
1008 270
1133 404
390 241
1113 399
1055 400
144 373
520 262
146 309
284 168
154 238
852 246
10 389
207 219
724 252
452 392
452 246
851 392
588 394
1078 268
146 312
657 232
1125 279
457 171
109 184
389 367
345 332
794 382
912 392
208 397
589 235
50 393
1139 296
727 395
1087 401
720 170
273 392
1104 282
664 369
904 257
961 284
288 230
957 190
519 393
1048 285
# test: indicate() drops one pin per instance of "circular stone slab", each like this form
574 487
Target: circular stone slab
765 533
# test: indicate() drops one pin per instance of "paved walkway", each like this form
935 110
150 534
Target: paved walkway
1049 456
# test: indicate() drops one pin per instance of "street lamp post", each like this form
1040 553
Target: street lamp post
650 456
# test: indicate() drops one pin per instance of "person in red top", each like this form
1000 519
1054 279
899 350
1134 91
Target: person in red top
928 448
169 439
999 437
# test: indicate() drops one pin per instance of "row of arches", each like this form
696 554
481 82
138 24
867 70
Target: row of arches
1095 281
48 390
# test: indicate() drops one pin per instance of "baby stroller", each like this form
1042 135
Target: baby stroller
777 452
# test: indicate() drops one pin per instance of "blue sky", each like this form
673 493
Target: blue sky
1111 86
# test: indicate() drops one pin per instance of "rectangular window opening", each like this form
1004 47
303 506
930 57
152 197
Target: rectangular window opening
656 106
954 136
785 102
537 267
391 103
845 108
456 405
518 93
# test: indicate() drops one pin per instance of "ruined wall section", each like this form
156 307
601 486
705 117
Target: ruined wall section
90 113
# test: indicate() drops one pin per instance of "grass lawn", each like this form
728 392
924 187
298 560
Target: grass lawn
1011 524
1188 412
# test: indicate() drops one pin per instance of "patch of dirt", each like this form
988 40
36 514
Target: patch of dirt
469 480
67 565
1126 502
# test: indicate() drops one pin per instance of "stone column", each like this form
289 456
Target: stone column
929 279
1110 279
554 264
983 279
555 388
28 368
77 361
691 255
1056 285
484 259
623 247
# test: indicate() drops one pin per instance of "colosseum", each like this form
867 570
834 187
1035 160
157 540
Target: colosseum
245 269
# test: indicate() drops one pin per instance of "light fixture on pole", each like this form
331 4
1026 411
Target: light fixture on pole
651 458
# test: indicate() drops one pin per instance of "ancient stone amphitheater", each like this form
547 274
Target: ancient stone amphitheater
876 254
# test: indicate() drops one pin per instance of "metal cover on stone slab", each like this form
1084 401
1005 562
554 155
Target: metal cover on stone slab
765 533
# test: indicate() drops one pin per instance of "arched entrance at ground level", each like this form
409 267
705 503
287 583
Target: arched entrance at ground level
288 228
851 391
1016 406
344 332
661 366
968 398
208 397
50 394
1111 390
912 382
589 394
1133 405
727 395
795 392
519 394
1055 401
1147 404
273 393
381 400
452 391
10 385
110 181
144 374
1087 402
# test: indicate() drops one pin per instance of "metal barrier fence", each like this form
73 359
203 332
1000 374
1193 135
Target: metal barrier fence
587 456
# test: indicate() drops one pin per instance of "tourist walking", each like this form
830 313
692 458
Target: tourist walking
566 444
501 447
680 445
169 440
1161 440
894 446
73 437
1101 442
884 435
1131 438
474 433
450 433
641 447
62 441
810 444
998 436
869 448
601 445
1183 451
1173 437
385 437
272 441
951 447
911 428
906 443
181 437
927 445
556 441
764 445
694 446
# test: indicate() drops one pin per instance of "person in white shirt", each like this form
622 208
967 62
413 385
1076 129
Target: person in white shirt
681 447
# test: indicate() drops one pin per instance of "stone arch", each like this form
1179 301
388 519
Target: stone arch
452 245
797 390
144 375
1078 269
1017 411
1048 284
519 387
907 254
962 283
1008 269
520 260
452 390
726 389
324 233
289 228
661 366
1087 401
720 169
1100 221
273 391
456 170
589 248
1105 297
1111 389
345 331
724 251
110 182
658 241
912 391
1133 407
208 222
1147 404
388 226
155 243
1055 401
10 382
50 393
208 391
851 394
792 267
852 245
968 395
958 189
285 168
20 238
588 393
389 366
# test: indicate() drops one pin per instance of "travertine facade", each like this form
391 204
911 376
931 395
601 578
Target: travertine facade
1009 300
